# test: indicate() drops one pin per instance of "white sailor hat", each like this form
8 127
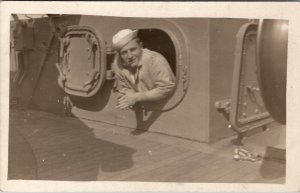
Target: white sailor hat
123 37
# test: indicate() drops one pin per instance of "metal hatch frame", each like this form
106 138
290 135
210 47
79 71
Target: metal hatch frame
253 122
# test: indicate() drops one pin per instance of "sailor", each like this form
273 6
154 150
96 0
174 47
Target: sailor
143 75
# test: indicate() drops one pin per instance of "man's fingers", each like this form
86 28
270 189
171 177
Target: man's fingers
122 105
123 97
122 92
123 101
127 91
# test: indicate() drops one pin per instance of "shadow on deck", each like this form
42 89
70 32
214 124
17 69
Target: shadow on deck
63 149
69 149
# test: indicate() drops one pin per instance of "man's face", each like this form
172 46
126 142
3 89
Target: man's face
131 54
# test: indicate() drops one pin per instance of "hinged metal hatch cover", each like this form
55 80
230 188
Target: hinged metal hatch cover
82 61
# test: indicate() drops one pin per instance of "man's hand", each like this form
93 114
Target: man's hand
126 99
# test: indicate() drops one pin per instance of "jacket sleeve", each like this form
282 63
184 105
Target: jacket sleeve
164 80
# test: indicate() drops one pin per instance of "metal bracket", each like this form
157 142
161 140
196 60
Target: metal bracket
223 107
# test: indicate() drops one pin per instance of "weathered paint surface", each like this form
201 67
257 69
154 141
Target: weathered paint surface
222 48
210 59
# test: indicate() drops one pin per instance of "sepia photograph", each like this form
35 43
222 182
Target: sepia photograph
112 98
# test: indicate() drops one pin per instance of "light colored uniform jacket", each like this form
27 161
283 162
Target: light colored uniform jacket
153 76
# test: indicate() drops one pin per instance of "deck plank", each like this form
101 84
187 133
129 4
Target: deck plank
239 174
175 170
69 149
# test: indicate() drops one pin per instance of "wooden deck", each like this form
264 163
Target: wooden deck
67 148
